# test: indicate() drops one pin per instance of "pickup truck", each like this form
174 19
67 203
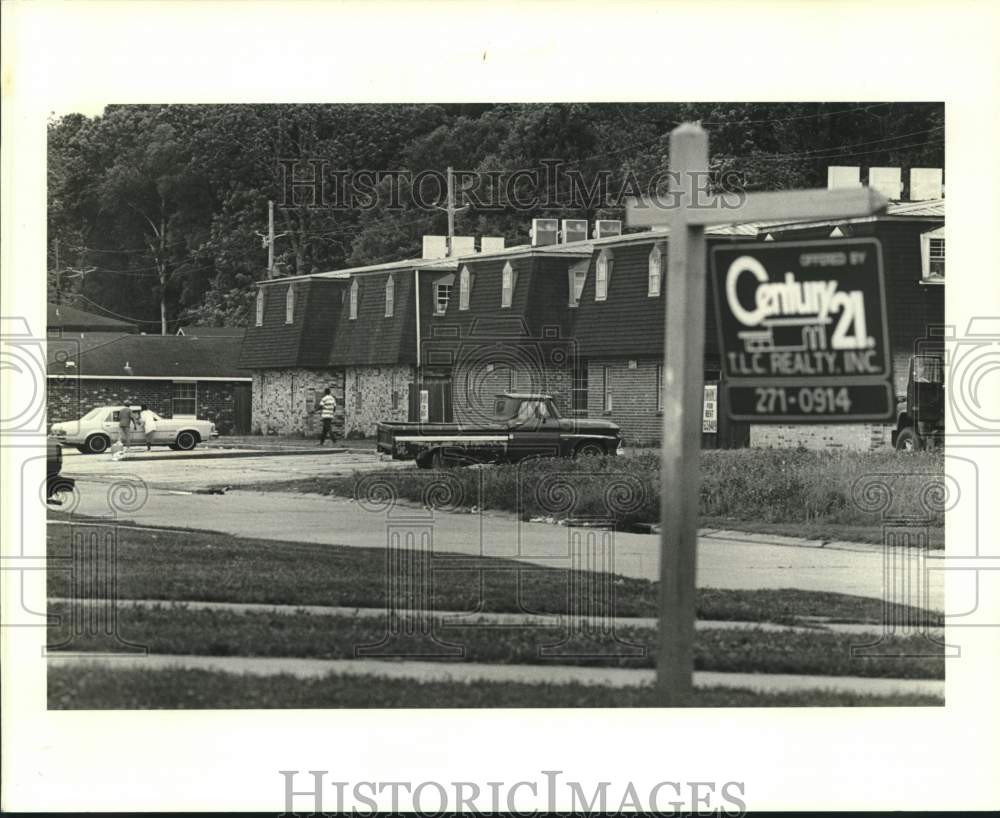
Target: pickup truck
523 425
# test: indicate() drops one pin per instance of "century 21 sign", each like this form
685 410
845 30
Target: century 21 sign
803 331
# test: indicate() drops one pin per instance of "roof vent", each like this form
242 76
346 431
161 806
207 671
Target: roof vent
435 247
838 176
544 232
887 181
603 228
926 183
463 245
573 230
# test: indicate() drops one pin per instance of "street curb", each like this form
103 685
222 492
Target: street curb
448 618
208 454
471 672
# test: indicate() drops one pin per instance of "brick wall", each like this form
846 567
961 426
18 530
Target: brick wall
474 386
71 398
633 393
373 394
284 399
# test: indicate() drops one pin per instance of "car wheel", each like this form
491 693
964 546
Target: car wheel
96 444
83 450
909 441
589 449
186 441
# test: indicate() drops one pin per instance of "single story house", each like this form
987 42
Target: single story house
176 376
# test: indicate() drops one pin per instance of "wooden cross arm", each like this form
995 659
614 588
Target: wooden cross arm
735 208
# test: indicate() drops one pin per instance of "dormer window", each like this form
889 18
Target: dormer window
603 275
655 277
290 304
259 320
932 251
508 280
354 300
442 294
464 288
390 296
577 278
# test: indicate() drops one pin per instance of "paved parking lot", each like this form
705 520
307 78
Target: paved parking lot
215 467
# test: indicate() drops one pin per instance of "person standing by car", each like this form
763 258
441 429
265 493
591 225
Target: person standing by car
327 407
148 420
126 422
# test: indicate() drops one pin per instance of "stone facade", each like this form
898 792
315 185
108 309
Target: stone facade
70 398
373 394
284 400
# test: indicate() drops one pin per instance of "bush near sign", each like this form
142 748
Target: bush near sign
803 331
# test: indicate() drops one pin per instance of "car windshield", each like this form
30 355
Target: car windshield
928 369
505 408
94 414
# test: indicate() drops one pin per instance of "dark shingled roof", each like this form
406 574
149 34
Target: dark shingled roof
173 356
70 319
212 332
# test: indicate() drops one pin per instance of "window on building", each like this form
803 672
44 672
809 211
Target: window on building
290 304
659 387
603 275
580 390
259 320
185 400
577 278
932 252
354 300
390 296
655 270
508 280
464 288
608 400
442 295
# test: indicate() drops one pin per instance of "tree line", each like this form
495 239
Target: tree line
156 212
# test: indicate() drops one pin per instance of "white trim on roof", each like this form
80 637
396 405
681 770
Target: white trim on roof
179 378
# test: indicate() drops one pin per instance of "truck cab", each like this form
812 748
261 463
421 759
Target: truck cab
522 425
920 413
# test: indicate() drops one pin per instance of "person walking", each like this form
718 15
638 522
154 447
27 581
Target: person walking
126 422
327 408
148 420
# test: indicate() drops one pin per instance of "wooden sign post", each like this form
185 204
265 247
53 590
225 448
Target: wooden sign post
687 213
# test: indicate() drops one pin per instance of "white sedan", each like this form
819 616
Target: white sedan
98 429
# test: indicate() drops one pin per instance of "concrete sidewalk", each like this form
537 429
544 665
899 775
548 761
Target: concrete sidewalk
470 672
729 563
467 618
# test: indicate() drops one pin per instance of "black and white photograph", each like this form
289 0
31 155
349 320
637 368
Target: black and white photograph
389 409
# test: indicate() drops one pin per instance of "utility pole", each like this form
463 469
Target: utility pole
452 210
268 240
58 278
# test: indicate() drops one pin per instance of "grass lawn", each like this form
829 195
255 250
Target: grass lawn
209 566
170 630
827 495
95 688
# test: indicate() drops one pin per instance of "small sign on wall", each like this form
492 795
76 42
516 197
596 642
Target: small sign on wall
710 409
425 406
